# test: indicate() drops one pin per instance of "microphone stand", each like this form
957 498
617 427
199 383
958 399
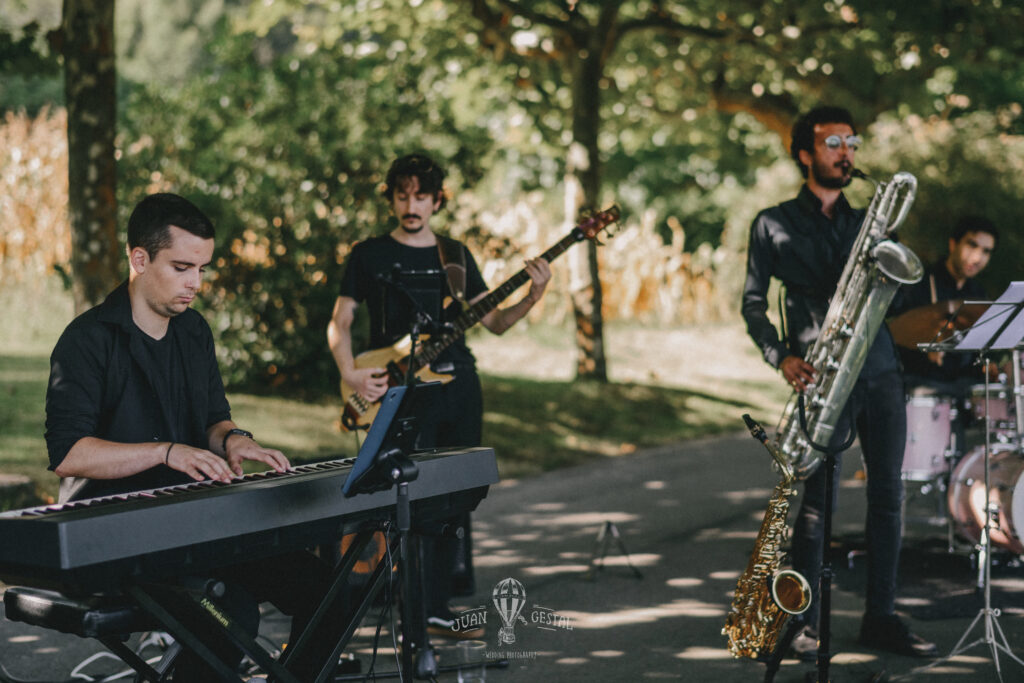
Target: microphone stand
1001 330
415 637
421 323
825 580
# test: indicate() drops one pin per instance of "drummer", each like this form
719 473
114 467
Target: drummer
952 277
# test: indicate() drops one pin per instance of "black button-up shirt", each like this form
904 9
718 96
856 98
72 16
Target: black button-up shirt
806 250
104 383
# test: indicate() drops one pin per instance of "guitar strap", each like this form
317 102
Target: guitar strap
453 260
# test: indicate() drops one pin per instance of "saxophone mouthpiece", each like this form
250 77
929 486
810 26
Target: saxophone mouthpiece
756 430
857 173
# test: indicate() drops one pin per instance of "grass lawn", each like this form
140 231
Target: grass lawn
666 386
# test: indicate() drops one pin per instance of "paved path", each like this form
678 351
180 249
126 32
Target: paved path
687 515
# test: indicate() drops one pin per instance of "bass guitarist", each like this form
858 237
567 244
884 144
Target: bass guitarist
414 189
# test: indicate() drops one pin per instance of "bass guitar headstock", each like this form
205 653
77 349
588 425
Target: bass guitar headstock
594 224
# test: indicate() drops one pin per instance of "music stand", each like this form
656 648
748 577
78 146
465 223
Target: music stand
383 462
393 429
1001 328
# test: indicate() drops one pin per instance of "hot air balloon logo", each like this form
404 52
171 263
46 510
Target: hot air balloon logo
509 598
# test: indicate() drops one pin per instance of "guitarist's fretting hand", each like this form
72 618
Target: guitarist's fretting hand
370 383
499 320
539 271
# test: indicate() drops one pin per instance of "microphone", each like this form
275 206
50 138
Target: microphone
388 278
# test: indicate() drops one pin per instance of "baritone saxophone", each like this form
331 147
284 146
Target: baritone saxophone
877 266
766 596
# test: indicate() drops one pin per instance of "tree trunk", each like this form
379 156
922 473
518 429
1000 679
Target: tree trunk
584 167
90 90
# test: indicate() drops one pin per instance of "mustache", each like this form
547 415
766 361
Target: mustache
411 215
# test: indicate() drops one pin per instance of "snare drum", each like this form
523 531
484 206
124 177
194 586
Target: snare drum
929 426
1006 490
1000 405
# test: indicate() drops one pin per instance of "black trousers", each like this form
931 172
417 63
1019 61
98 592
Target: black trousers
455 419
877 410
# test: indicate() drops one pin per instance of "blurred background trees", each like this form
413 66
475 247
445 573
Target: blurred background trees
279 118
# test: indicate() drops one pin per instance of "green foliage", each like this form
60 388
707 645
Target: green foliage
690 88
969 165
31 70
284 142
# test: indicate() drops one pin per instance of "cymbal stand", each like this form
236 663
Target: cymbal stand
1018 398
987 616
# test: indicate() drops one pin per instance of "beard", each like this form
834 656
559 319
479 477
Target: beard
824 175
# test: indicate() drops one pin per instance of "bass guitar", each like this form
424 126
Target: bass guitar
358 413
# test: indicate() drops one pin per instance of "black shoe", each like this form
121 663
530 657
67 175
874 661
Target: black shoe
805 645
891 634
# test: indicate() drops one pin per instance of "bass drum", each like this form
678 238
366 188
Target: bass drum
1006 490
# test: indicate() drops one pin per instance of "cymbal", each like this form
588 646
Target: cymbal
934 322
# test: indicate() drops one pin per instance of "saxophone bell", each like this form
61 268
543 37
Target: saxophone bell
791 592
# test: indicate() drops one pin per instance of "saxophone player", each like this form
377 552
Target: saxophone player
804 243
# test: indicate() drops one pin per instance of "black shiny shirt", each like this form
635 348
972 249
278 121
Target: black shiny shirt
796 243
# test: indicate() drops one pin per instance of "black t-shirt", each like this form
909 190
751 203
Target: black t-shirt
420 272
167 375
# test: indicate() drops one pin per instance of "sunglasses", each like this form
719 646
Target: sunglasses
836 141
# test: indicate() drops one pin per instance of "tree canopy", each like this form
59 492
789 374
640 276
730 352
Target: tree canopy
280 116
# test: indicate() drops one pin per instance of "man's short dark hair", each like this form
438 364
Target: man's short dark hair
972 223
803 130
419 166
149 224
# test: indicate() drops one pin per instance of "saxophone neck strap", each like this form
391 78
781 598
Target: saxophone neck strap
828 450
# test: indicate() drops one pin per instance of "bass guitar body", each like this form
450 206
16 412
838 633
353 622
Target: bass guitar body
358 413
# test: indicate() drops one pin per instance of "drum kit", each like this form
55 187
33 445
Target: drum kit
944 456
947 433
985 486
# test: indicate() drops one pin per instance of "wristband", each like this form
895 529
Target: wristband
167 456
240 432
